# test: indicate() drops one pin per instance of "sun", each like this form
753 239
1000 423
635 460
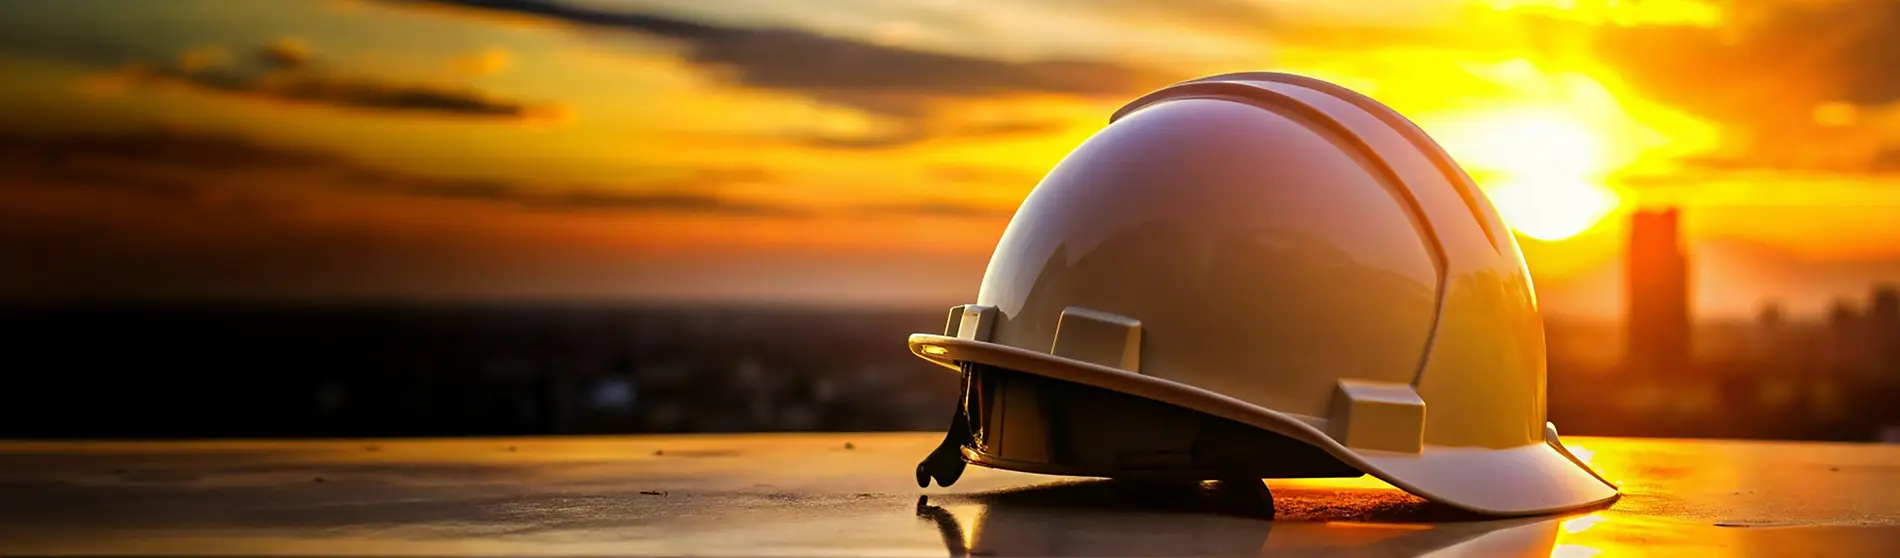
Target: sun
1551 208
1542 169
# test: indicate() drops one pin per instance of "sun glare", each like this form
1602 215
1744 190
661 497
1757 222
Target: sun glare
1541 170
1553 208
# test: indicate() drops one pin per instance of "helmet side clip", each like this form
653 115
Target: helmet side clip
945 464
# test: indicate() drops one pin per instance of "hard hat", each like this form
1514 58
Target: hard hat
1260 275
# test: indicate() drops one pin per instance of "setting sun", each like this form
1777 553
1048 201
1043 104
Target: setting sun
1551 209
1542 169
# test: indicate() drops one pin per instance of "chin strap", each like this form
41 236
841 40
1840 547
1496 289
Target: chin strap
945 464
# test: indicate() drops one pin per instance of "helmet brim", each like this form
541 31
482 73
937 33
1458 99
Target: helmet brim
1535 478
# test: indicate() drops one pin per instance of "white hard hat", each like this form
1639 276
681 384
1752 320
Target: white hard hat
1260 275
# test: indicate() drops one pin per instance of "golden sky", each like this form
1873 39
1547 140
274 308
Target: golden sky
871 151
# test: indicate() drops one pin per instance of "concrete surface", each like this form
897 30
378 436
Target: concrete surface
854 494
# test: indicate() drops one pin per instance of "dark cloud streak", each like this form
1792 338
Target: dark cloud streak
918 132
196 170
941 209
664 197
884 79
186 168
285 72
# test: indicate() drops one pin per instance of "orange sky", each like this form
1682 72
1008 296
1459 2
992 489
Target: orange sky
872 151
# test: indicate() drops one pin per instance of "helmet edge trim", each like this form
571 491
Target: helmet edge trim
1292 426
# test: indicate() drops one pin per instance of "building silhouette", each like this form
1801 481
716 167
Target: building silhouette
1657 285
1772 339
1846 341
1882 334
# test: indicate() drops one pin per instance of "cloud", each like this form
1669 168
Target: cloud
988 175
1813 158
155 188
193 168
940 208
956 209
141 165
181 213
1008 128
168 145
1239 16
684 195
209 171
821 140
906 133
1769 63
1785 78
485 62
286 71
907 87
1332 26
203 57
287 52
884 79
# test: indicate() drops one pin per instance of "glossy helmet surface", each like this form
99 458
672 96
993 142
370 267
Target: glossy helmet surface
1262 275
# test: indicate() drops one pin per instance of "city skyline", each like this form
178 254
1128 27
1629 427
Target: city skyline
661 150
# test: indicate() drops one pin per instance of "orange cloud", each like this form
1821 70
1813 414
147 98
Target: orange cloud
878 78
485 62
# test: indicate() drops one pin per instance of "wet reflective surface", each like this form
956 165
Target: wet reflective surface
809 495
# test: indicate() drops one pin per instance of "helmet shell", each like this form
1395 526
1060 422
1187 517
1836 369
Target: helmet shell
1283 251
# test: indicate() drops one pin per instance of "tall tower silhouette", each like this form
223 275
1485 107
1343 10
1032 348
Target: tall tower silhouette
1658 293
1882 335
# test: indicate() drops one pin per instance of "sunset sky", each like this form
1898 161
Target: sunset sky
871 151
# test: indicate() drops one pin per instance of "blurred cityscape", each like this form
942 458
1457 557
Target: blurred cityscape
394 370
479 369
1836 379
